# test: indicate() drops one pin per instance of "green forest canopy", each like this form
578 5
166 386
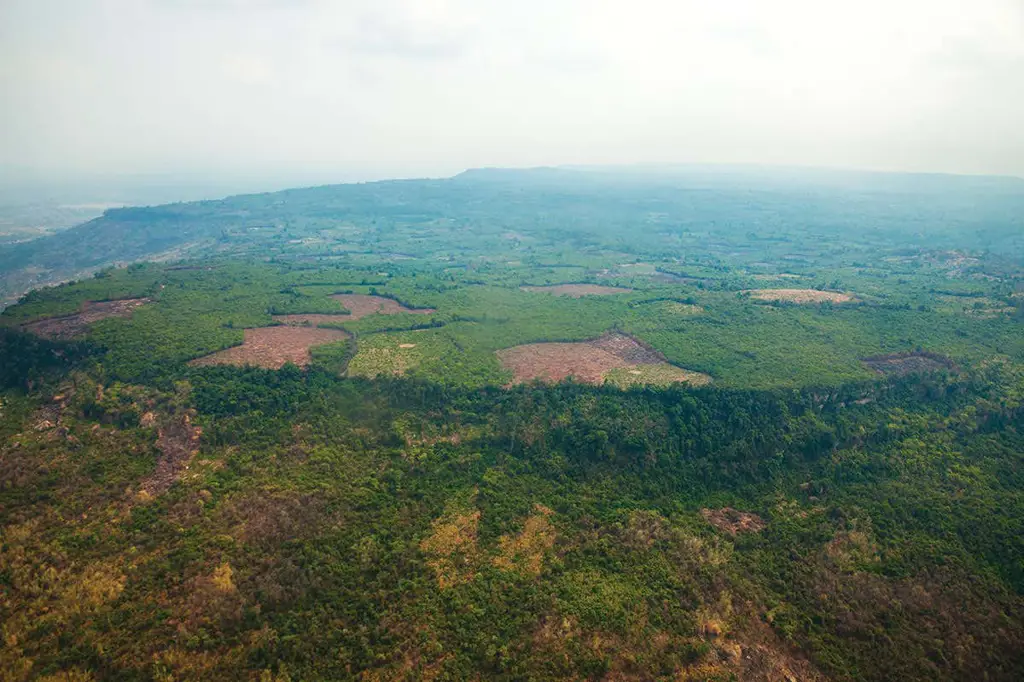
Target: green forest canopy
842 501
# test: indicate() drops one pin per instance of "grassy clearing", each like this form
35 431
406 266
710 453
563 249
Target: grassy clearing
661 374
799 295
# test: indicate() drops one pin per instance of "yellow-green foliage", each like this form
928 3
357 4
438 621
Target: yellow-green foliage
451 547
525 552
661 374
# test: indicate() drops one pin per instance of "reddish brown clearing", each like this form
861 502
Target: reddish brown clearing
733 521
799 295
178 442
76 324
554 362
272 347
587 361
361 305
577 290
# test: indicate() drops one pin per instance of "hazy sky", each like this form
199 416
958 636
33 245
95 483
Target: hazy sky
352 88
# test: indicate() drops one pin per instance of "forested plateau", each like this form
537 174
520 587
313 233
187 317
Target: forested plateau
551 424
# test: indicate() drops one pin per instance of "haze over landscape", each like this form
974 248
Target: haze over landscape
560 340
280 94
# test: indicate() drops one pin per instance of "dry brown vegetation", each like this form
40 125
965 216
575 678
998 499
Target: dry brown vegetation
577 290
451 547
76 324
524 553
272 347
799 295
733 521
589 361
177 442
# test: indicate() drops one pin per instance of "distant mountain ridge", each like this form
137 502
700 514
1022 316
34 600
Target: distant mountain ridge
953 211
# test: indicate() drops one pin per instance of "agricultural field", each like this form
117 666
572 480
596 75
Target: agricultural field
800 295
520 425
615 358
272 347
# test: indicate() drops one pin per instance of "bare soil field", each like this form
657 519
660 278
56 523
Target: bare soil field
577 290
799 295
628 349
76 324
272 347
908 363
361 305
613 357
553 362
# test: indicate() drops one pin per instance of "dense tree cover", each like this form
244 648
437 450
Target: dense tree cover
26 359
331 528
378 515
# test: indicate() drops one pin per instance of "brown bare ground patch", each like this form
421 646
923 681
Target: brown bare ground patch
451 548
362 305
178 442
554 362
577 290
524 553
799 295
272 347
76 324
733 521
586 361
628 349
908 363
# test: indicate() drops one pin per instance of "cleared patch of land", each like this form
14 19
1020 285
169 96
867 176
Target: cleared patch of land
272 347
733 521
908 363
360 306
70 326
799 295
617 358
577 290
781 275
377 361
